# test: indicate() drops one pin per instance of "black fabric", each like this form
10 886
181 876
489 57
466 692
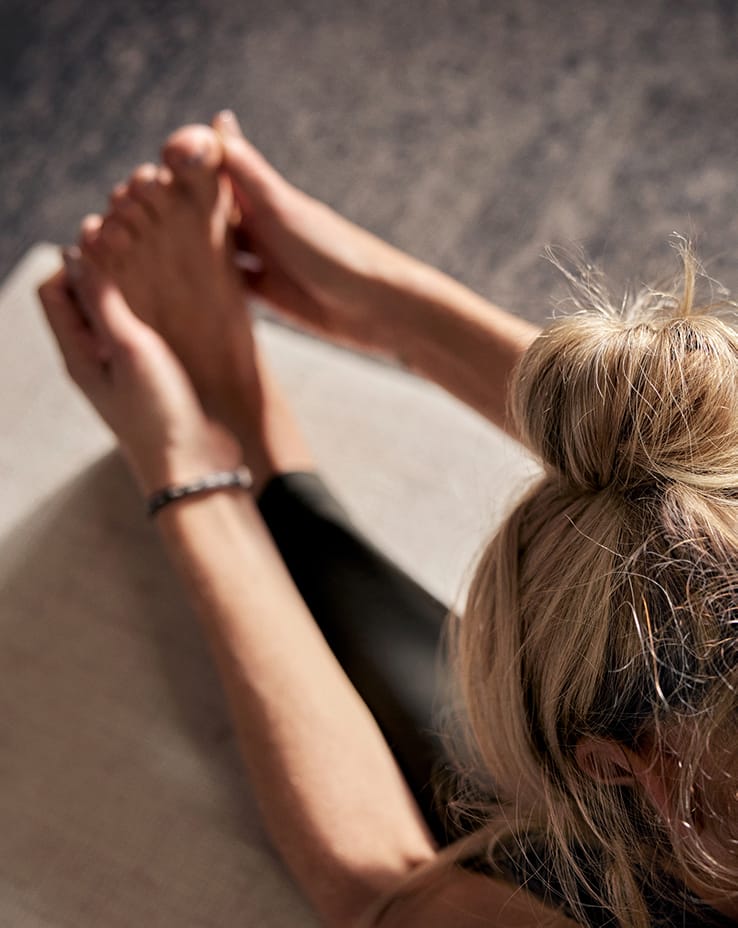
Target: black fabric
385 630
382 626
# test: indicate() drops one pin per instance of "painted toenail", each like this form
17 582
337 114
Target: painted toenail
196 158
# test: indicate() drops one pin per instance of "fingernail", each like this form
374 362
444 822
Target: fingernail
229 125
71 257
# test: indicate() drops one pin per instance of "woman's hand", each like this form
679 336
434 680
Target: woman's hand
351 287
315 266
133 379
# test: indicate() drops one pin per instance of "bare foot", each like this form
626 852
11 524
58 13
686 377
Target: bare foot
168 244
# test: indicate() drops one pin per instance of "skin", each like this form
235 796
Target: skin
303 730
151 322
349 286
168 245
299 747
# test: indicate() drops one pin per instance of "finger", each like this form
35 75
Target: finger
255 181
77 343
103 304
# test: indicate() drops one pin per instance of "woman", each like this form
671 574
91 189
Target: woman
596 660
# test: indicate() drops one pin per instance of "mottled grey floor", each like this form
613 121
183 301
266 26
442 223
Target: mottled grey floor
471 133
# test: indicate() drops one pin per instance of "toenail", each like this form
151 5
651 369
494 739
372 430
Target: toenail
229 124
195 158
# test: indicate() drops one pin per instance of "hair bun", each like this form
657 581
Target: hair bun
622 402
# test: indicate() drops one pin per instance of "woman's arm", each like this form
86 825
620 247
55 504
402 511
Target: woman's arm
332 798
350 286
444 332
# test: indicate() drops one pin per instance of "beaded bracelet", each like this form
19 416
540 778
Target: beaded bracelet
240 477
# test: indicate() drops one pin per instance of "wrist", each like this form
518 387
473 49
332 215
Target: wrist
173 464
171 472
215 481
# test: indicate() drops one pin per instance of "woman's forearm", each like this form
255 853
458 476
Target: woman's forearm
444 332
332 798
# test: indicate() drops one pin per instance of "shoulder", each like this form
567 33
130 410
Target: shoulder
465 899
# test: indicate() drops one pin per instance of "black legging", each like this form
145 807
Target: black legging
382 626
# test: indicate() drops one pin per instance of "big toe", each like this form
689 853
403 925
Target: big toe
194 154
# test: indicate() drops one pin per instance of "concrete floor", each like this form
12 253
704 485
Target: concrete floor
470 133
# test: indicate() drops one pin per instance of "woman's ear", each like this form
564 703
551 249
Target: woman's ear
607 761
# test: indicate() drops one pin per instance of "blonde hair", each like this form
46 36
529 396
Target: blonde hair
606 605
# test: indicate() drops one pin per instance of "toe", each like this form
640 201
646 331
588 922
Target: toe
165 176
131 214
118 193
146 188
194 155
115 237
89 233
